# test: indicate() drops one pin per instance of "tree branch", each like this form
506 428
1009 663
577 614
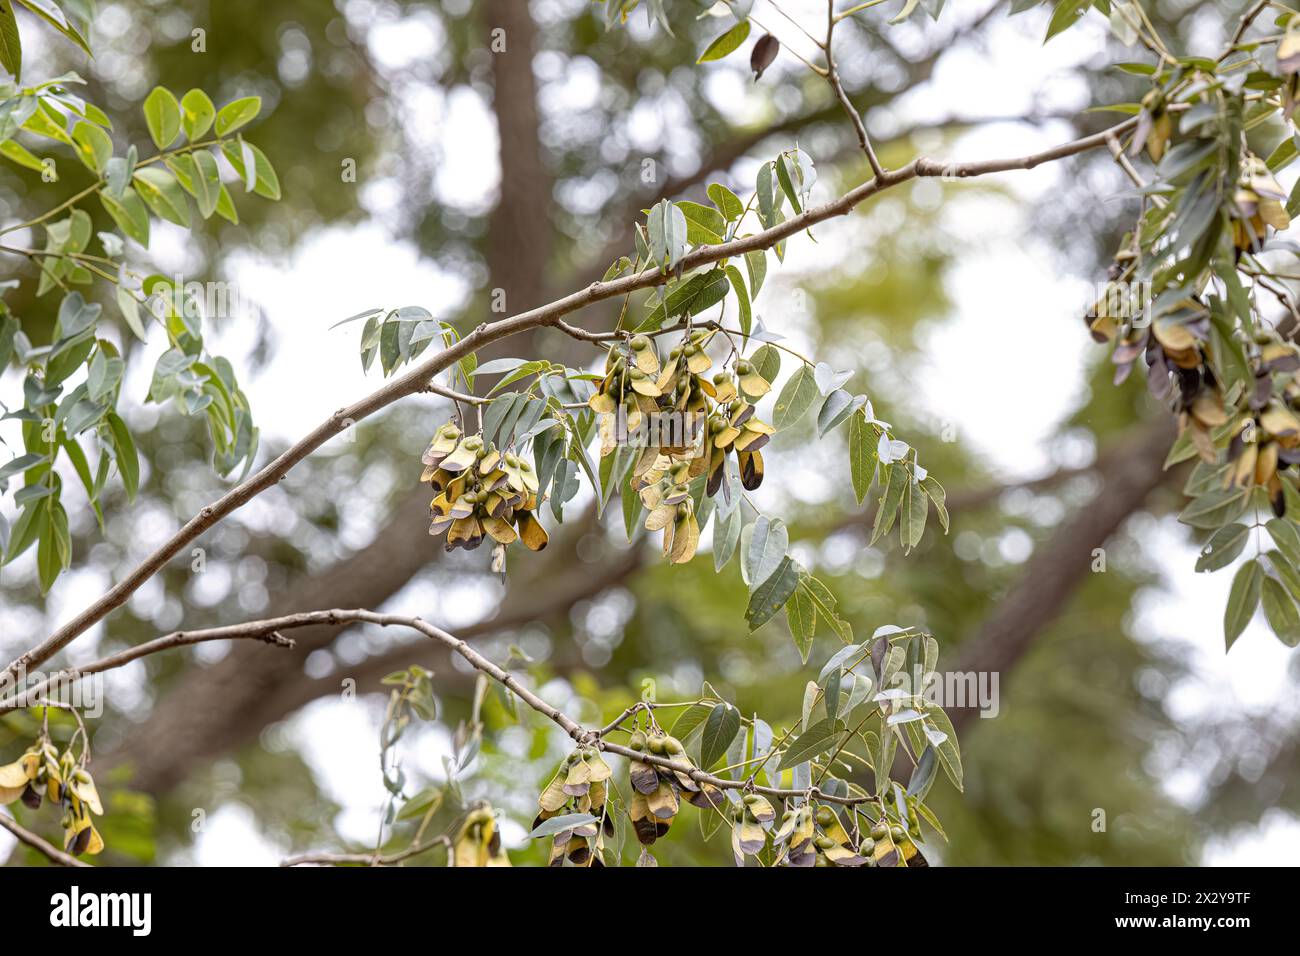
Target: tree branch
176 639
583 736
369 859
39 843
549 315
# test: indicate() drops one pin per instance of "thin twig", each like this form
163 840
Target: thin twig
833 78
369 859
25 835
549 315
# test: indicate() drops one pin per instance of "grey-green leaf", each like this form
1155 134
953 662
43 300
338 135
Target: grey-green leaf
1243 599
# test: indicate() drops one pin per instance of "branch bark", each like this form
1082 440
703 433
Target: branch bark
549 315
39 843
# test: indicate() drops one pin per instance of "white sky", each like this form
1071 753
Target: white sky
1008 277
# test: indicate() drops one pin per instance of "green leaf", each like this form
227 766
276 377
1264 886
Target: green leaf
11 49
94 146
796 398
253 168
1215 508
197 113
934 491
207 182
762 546
129 213
52 15
817 739
130 309
128 464
720 729
767 362
728 203
725 538
704 224
756 266
862 454
1066 15
1243 598
915 507
826 606
27 529
554 825
238 113
786 179
1281 611
726 44
49 555
163 194
162 114
835 409
770 596
938 724
1223 547
742 299
701 291
15 152
801 618
1286 537
897 481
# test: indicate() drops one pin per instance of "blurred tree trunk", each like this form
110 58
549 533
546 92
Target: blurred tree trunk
212 710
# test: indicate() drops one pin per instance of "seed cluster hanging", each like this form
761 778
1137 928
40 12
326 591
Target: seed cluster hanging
578 787
41 773
654 802
637 383
481 491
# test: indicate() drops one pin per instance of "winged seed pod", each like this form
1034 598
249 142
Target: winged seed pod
654 802
17 779
795 837
664 470
751 820
481 492
1259 202
765 51
834 845
895 847
478 841
1154 127
578 787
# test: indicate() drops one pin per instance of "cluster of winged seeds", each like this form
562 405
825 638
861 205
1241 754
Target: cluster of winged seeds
816 836
480 490
654 802
578 787
699 423
1258 422
40 773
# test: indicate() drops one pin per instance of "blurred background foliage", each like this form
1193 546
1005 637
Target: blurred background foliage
1085 721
